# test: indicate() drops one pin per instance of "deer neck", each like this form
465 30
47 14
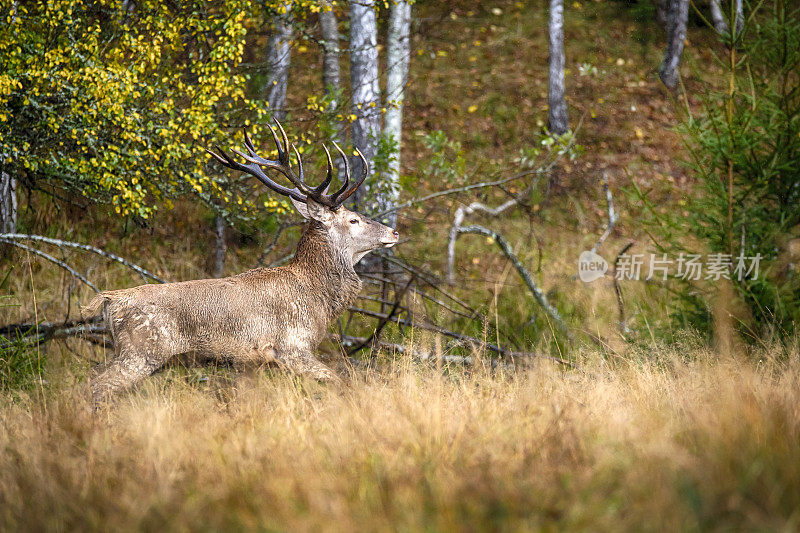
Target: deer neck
328 269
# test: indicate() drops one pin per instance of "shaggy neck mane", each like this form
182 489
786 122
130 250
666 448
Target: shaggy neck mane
329 268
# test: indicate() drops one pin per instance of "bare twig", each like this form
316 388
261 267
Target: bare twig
271 245
58 242
458 219
347 340
501 242
383 321
620 304
612 215
481 185
75 274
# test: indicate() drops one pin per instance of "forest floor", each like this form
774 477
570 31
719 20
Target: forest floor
651 431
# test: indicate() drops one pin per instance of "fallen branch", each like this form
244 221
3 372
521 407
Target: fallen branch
455 229
75 274
28 333
422 355
58 242
538 295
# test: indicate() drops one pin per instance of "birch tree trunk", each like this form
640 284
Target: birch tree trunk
676 33
8 203
397 58
558 117
739 16
366 129
331 74
718 18
330 49
279 50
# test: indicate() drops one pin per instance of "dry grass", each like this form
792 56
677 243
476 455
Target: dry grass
674 441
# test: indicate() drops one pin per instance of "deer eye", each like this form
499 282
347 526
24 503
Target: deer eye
354 221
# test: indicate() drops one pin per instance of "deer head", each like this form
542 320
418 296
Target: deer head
350 233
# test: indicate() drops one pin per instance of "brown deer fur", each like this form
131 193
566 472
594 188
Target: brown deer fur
263 315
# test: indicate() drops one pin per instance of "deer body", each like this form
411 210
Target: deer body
264 315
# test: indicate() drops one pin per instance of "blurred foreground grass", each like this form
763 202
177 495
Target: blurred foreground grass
670 439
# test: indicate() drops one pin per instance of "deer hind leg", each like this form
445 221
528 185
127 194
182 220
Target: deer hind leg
305 363
141 349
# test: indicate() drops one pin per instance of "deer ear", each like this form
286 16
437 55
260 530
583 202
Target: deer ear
315 211
301 207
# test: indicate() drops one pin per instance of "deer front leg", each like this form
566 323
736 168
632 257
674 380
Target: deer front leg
303 362
121 373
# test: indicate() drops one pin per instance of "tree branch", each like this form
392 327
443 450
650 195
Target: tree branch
501 242
58 242
612 215
75 274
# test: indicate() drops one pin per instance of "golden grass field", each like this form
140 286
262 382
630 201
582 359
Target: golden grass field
666 439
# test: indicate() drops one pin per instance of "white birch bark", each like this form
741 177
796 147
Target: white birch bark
330 49
331 73
279 50
676 33
558 117
366 129
397 58
718 18
8 203
739 8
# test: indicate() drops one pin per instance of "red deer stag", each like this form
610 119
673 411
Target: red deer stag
263 315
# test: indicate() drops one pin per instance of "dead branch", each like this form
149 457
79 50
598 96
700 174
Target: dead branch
422 355
58 242
75 274
612 215
458 219
383 321
538 295
620 304
28 333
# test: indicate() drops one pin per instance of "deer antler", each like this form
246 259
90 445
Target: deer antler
301 190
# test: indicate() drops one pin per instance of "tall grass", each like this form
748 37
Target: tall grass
674 440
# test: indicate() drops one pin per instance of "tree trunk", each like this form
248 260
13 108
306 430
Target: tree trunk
330 50
279 50
220 247
558 117
331 74
718 18
397 57
676 28
8 203
739 16
366 129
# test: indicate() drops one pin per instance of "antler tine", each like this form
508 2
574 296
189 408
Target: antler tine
346 183
285 138
277 142
254 170
301 192
299 163
248 142
323 187
339 199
